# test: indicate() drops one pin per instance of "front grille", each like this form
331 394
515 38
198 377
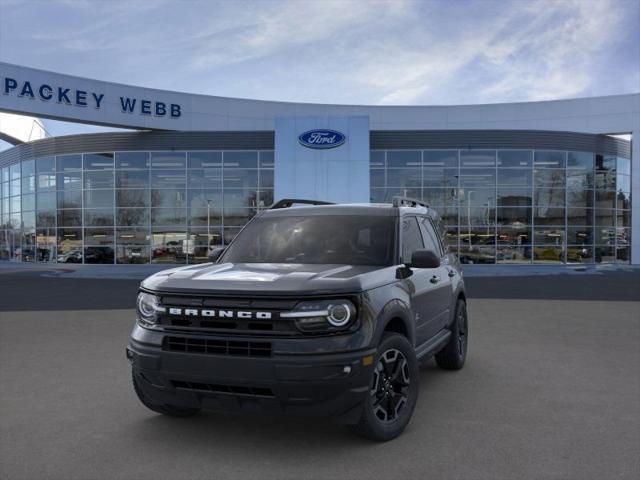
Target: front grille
215 388
217 347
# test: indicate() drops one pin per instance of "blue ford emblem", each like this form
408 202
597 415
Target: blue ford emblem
322 138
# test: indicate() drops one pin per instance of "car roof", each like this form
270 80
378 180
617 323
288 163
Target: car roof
366 209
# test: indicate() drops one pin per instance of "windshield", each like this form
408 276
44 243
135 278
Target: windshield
337 239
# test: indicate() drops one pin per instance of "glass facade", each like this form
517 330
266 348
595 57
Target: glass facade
517 206
130 207
500 206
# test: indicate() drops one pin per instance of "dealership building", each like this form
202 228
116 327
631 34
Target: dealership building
516 183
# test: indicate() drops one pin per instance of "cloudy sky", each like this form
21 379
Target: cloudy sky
336 51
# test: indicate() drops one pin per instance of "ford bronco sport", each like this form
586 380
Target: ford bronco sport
319 309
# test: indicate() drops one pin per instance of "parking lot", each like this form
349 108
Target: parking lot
551 390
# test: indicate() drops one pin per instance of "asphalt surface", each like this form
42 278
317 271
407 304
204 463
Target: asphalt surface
551 390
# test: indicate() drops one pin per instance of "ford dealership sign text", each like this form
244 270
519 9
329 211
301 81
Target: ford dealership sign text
322 138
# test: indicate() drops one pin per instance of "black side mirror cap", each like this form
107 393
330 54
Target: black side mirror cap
424 259
215 254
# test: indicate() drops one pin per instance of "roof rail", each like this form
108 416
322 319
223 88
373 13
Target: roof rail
288 202
407 202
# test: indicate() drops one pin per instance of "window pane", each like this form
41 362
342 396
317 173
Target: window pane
238 178
404 177
46 219
46 181
168 217
98 199
515 158
240 159
548 216
168 246
266 159
477 158
98 217
203 198
624 183
28 168
168 160
404 158
168 179
175 198
514 197
440 158
376 159
44 165
623 166
266 179
582 179
513 216
139 160
477 177
69 162
580 236
549 159
132 254
440 177
132 236
202 242
97 161
584 160
70 218
605 163
514 235
207 178
132 198
70 199
98 179
204 159
132 178
29 202
579 198
70 180
514 176
132 216
98 236
101 254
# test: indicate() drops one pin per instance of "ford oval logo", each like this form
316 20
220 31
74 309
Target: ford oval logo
322 138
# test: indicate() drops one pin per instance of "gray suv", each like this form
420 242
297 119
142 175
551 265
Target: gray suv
315 309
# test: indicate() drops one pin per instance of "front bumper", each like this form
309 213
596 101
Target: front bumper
323 384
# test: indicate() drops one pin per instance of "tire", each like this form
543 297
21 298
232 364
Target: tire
454 354
393 390
168 410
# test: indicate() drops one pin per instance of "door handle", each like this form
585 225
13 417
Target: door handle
435 279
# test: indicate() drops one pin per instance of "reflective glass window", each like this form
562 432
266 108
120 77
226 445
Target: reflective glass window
477 177
204 160
70 218
97 217
477 158
46 200
514 176
377 159
582 160
28 184
98 236
168 198
98 199
97 161
233 178
404 158
99 254
29 202
132 198
46 165
132 178
440 177
515 158
549 159
209 178
623 166
132 216
70 199
70 180
404 177
514 196
440 159
68 162
168 217
132 160
168 178
28 168
169 160
266 159
98 179
240 159
266 179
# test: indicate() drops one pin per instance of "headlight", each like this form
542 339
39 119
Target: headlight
148 307
323 315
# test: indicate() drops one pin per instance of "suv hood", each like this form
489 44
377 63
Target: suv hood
270 279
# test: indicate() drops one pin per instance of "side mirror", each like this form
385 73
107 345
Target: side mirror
215 254
424 259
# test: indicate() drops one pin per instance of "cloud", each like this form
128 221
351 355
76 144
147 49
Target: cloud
337 51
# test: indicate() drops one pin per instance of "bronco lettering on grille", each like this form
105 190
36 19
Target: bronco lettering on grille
195 312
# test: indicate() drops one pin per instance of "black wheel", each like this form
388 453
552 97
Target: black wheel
454 354
393 390
169 410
